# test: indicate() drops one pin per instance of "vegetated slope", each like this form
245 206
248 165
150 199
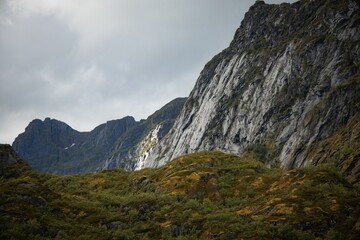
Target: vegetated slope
207 195
288 81
342 148
11 165
53 146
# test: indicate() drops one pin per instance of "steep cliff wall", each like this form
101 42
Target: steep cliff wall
289 79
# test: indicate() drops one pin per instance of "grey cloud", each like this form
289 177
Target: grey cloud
88 63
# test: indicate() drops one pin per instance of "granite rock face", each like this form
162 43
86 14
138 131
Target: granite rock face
131 150
289 79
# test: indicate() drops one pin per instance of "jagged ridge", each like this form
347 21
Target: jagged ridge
53 146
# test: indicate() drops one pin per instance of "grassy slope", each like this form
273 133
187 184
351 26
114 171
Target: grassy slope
202 195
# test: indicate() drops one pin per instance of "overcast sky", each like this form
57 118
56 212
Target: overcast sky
85 62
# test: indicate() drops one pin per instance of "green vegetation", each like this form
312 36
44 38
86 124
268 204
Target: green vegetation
260 150
341 149
208 195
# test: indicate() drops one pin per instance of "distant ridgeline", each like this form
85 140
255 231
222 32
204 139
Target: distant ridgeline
53 146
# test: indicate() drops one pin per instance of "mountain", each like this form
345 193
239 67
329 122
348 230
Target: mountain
53 146
206 195
285 94
287 85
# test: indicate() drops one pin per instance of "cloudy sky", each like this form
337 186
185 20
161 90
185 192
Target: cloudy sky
86 62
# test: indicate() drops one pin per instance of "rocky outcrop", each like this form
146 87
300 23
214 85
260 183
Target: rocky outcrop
53 146
45 141
289 79
11 165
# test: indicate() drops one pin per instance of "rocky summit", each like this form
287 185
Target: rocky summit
288 82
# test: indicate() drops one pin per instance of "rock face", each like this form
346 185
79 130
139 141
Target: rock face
289 79
53 146
132 149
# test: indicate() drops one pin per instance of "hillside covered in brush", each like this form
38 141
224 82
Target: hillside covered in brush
206 195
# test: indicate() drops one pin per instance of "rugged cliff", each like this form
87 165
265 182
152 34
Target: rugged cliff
53 146
289 79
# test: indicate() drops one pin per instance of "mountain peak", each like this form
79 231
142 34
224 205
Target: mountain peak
288 80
